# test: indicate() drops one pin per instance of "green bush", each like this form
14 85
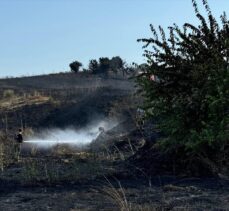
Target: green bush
185 85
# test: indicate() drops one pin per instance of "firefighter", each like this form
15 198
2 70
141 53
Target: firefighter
17 144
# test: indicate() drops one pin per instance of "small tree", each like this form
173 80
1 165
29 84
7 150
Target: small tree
75 66
186 84
116 64
93 66
104 64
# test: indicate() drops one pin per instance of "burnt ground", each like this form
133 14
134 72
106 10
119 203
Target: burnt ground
87 181
68 180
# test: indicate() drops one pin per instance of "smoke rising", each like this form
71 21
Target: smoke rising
69 136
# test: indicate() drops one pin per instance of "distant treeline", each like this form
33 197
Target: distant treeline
104 65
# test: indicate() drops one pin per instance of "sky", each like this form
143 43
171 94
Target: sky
44 36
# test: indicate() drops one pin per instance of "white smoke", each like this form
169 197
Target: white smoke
69 136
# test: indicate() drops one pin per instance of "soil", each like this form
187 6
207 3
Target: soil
102 183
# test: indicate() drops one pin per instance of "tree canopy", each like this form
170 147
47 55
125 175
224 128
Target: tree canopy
75 66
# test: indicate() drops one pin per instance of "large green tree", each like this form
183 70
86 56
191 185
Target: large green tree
186 83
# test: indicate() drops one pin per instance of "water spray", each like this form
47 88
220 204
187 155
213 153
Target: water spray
69 136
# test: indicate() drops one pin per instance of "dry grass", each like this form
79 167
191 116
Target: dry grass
7 155
117 195
18 102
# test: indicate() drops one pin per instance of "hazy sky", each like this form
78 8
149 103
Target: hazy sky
44 36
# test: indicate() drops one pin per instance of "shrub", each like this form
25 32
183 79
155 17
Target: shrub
185 85
8 93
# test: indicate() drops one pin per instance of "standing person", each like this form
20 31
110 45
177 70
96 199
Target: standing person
17 145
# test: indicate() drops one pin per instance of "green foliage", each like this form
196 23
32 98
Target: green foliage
75 66
185 84
93 66
116 63
104 64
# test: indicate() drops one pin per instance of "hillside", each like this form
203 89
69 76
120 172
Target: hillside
66 81
59 100
111 172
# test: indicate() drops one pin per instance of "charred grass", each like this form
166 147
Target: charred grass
66 179
104 178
